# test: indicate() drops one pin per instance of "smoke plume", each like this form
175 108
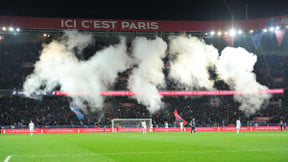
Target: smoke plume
148 75
74 40
190 59
58 65
235 67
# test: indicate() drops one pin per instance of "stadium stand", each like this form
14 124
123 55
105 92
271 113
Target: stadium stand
53 111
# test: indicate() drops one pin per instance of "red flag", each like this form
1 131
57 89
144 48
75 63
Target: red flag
179 118
280 35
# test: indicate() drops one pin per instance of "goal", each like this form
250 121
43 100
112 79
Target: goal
130 123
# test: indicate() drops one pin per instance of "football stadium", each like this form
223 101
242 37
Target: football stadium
92 89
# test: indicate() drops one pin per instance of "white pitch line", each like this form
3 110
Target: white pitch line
148 152
7 158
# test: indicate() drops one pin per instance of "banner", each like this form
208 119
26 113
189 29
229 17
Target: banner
233 129
57 130
279 79
8 92
280 35
256 38
127 104
261 119
204 129
178 93
109 130
263 128
27 64
135 25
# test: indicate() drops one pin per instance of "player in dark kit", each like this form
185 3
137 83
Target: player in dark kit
193 126
281 125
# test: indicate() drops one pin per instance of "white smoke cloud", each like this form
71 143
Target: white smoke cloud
192 57
148 75
235 67
73 39
58 65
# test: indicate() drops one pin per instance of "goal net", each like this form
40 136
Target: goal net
130 123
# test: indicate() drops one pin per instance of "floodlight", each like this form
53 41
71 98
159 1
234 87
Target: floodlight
277 27
212 33
11 29
271 29
219 33
232 32
239 32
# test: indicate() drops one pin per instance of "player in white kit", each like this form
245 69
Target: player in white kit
181 126
238 126
31 128
166 126
144 127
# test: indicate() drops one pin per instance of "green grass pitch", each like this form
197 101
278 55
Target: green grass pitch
180 146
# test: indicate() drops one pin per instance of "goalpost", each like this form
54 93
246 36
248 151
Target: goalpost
130 123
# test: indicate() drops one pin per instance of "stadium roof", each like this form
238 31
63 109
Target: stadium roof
148 10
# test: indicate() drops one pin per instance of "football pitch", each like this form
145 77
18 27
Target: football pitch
180 146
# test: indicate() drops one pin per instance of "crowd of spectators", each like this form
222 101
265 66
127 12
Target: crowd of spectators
54 111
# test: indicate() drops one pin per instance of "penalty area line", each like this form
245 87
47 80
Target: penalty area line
7 158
